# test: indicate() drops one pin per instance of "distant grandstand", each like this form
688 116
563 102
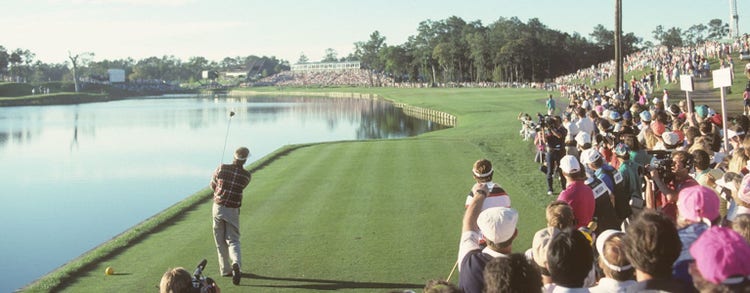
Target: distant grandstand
325 66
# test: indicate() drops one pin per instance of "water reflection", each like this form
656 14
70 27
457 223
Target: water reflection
72 164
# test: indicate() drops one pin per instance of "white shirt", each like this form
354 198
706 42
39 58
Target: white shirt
585 124
611 285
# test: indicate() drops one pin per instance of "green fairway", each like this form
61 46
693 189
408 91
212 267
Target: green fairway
355 216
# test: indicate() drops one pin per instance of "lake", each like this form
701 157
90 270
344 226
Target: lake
75 176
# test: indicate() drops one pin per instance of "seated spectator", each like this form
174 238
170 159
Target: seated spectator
652 246
721 261
440 286
497 226
569 260
511 274
618 272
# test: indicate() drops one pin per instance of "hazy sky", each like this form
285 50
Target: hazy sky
115 29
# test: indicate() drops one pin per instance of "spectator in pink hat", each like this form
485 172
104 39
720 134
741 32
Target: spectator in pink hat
721 261
697 210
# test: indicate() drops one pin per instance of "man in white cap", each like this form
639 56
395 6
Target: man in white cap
228 183
497 226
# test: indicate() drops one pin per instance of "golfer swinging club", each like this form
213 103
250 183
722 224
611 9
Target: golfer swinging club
228 182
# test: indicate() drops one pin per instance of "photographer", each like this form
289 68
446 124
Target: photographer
554 135
662 195
178 280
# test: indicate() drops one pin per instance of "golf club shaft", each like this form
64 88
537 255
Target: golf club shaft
452 270
225 140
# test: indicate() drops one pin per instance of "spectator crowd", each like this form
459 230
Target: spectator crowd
647 193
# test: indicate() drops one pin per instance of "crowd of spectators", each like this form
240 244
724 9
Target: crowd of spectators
326 78
653 194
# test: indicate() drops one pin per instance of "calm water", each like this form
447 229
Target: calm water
74 176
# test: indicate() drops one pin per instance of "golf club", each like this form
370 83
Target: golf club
452 270
231 114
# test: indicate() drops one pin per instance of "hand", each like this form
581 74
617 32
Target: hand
480 188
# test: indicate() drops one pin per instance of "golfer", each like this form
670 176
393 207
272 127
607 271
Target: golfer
228 182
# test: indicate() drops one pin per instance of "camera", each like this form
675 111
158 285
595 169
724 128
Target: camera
200 283
662 163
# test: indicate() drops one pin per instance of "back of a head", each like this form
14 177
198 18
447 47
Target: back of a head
570 258
560 215
241 154
702 160
614 254
511 274
652 244
741 225
482 170
176 280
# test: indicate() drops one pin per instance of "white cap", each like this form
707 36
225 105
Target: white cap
498 224
589 156
583 137
670 138
569 164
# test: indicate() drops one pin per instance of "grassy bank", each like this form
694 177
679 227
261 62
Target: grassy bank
365 216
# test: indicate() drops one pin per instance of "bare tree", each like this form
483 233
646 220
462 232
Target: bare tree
79 60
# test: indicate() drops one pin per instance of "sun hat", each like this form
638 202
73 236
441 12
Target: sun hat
569 164
583 137
601 240
721 256
589 156
498 224
540 245
698 203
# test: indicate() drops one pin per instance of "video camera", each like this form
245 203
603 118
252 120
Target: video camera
200 283
543 121
661 162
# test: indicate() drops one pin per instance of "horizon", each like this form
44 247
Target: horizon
138 29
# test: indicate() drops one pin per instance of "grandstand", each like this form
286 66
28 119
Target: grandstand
325 66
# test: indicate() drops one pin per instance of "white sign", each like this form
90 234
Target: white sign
686 83
722 78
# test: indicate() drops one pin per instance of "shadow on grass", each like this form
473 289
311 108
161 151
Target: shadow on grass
329 285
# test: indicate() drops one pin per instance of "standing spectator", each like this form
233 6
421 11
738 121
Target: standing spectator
721 261
698 209
663 195
550 105
569 260
577 194
618 272
511 274
746 101
652 246
554 134
604 210
633 201
497 226
585 124
228 183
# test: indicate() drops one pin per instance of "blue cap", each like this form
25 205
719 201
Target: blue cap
645 116
614 115
621 149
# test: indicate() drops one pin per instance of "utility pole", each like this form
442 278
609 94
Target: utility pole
619 78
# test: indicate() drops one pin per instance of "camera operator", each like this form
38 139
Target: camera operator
662 195
178 280
554 135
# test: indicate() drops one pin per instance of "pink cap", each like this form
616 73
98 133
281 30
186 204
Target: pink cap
657 127
696 203
744 192
721 256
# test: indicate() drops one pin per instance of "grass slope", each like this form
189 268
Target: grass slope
367 216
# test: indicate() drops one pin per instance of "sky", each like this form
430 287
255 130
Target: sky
118 29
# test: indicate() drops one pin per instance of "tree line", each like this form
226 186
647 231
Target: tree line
449 50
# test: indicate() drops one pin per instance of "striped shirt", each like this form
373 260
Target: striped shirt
497 197
228 182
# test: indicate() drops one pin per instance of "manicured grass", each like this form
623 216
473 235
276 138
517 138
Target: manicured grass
359 216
